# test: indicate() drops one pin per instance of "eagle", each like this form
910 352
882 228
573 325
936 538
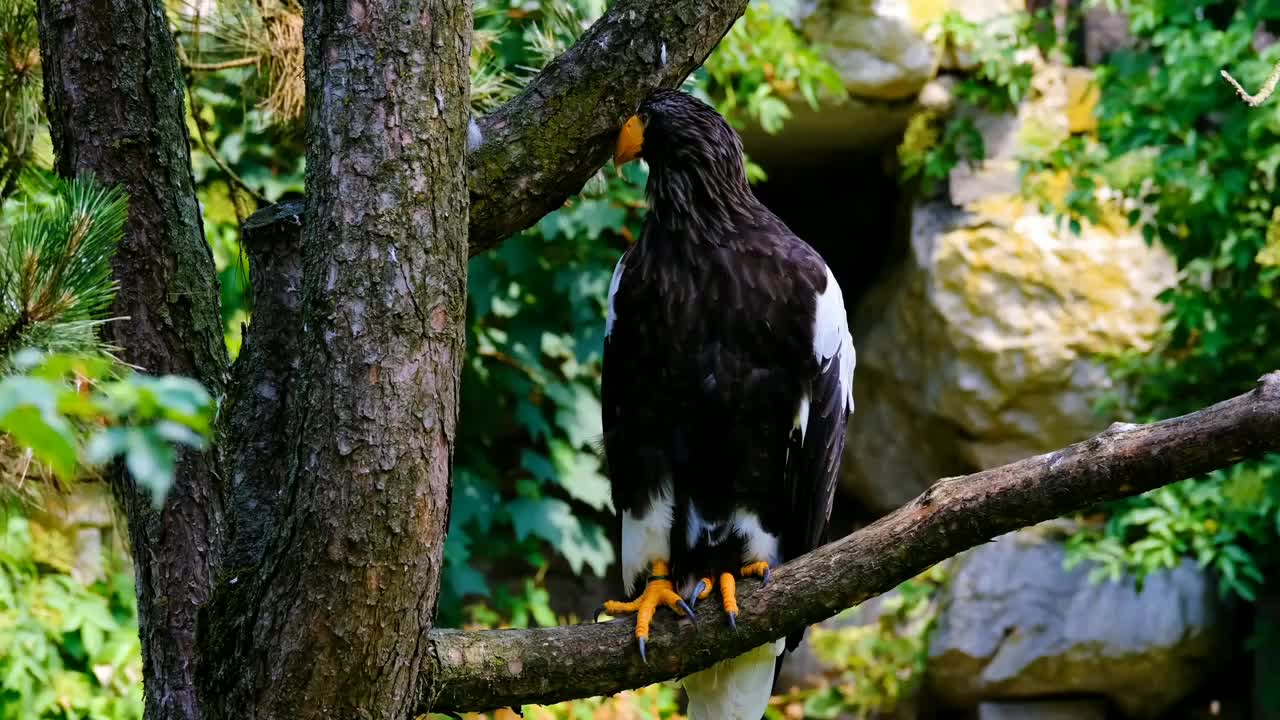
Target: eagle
727 389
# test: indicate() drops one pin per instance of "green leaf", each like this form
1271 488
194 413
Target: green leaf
29 413
151 461
579 474
106 444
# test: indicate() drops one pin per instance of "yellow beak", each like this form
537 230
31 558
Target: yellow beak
630 142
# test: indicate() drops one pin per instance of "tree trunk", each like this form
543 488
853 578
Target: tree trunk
347 590
114 98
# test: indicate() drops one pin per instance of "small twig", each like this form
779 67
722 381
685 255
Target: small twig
1268 87
225 65
202 129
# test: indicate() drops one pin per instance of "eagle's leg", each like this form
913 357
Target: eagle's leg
729 588
658 591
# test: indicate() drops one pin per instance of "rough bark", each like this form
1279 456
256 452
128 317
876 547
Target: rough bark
114 98
347 589
482 670
541 147
261 389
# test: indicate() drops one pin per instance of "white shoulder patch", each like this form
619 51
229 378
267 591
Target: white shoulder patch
831 335
610 315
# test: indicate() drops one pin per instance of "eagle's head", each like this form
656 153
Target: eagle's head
696 168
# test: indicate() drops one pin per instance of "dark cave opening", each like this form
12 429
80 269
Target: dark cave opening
852 208
848 205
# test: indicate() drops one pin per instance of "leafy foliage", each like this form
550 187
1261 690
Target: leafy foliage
654 701
70 409
761 64
67 650
76 407
879 663
1219 522
1199 168
937 141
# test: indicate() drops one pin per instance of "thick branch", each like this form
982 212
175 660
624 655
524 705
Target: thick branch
539 148
261 388
480 670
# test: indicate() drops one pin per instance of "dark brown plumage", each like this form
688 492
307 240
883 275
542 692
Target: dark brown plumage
727 366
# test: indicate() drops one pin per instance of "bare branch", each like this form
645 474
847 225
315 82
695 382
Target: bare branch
224 65
1265 92
538 149
487 669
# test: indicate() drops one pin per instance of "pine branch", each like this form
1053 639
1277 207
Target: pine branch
55 268
488 669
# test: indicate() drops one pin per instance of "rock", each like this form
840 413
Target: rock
813 138
1044 710
1062 102
77 527
883 49
1016 624
1105 32
978 347
889 49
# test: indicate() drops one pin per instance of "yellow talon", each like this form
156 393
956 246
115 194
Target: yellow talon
729 595
755 569
658 591
706 586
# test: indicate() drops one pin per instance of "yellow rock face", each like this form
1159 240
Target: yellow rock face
983 348
1082 100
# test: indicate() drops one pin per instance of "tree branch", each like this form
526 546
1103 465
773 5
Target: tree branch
261 388
541 147
1268 87
487 669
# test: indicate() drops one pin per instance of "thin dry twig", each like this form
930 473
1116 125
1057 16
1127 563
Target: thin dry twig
1268 87
225 65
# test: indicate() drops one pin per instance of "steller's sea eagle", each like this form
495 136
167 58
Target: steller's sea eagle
728 384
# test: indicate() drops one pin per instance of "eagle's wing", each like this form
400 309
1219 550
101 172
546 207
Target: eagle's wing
817 439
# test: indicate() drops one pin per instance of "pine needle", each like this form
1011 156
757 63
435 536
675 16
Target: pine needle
55 270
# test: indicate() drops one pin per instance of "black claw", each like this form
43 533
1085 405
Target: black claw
688 611
599 611
642 657
697 590
733 623
764 580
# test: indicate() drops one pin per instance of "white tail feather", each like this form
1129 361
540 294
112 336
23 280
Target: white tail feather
734 689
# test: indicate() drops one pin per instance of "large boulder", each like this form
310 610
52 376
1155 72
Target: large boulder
980 346
889 49
887 52
1016 624
883 49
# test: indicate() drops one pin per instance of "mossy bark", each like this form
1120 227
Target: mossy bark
115 102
